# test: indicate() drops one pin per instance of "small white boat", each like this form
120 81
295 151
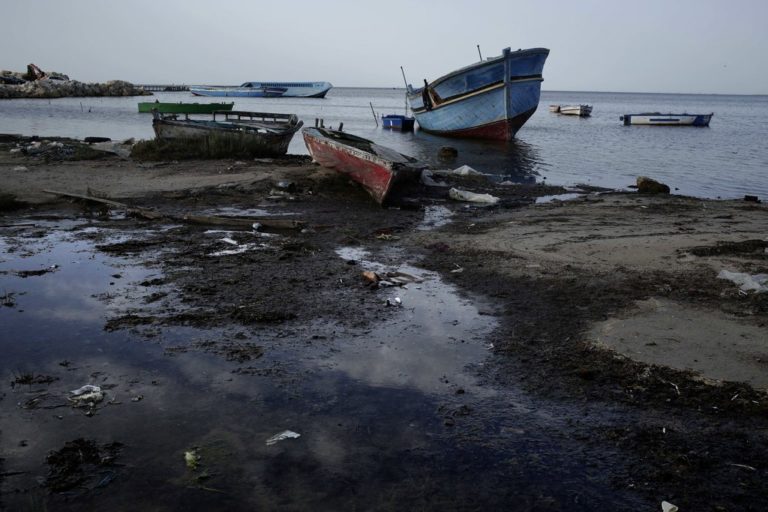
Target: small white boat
659 119
576 110
554 108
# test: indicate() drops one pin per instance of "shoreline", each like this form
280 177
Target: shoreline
593 300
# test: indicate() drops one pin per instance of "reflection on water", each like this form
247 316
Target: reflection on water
435 336
381 419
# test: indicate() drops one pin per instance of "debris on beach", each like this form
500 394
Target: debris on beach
192 459
86 396
385 279
472 197
282 436
466 170
668 507
757 283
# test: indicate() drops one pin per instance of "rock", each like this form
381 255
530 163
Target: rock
647 185
447 153
47 88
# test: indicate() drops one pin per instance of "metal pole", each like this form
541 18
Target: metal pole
404 80
374 114
479 53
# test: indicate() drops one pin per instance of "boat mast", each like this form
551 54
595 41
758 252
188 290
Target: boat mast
405 81
479 53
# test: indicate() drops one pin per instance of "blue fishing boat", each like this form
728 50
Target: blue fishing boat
397 122
268 90
490 99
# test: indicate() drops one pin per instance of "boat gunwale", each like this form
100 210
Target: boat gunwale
391 165
487 62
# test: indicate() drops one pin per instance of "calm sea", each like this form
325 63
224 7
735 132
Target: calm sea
727 160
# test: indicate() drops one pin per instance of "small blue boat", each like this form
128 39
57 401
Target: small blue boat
490 99
398 122
659 119
268 90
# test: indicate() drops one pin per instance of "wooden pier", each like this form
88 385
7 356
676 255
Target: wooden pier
163 88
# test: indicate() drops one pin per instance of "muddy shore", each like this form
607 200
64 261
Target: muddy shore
643 375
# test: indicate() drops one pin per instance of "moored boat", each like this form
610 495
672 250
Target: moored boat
183 108
398 122
253 133
377 168
659 119
490 99
268 90
575 110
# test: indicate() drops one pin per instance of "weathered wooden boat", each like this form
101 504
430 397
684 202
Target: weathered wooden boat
268 90
398 122
575 110
377 168
183 108
490 99
254 133
659 119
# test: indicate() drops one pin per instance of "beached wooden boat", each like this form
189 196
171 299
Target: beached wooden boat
254 133
490 99
398 122
575 110
268 90
377 168
659 119
147 107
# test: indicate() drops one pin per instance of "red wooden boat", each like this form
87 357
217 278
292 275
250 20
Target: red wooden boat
377 168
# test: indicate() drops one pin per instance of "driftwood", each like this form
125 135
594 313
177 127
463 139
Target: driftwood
246 222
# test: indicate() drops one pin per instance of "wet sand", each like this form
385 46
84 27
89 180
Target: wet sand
604 363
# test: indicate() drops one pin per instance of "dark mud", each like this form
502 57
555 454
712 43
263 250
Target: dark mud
210 340
714 456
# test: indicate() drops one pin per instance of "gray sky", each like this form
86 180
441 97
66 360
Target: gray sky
686 46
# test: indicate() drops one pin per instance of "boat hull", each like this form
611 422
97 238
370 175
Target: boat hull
184 108
575 110
376 174
267 90
491 99
235 137
658 119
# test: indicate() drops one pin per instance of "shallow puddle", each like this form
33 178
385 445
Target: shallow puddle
430 345
390 418
435 217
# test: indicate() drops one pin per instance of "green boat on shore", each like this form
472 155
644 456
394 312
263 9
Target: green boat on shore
183 108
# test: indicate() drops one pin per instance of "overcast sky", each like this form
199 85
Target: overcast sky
685 46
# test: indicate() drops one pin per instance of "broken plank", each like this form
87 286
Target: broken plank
244 221
87 198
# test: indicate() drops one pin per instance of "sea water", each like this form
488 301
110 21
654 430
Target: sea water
729 159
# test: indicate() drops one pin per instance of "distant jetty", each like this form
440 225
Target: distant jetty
36 83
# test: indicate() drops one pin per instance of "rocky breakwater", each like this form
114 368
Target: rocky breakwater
53 88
